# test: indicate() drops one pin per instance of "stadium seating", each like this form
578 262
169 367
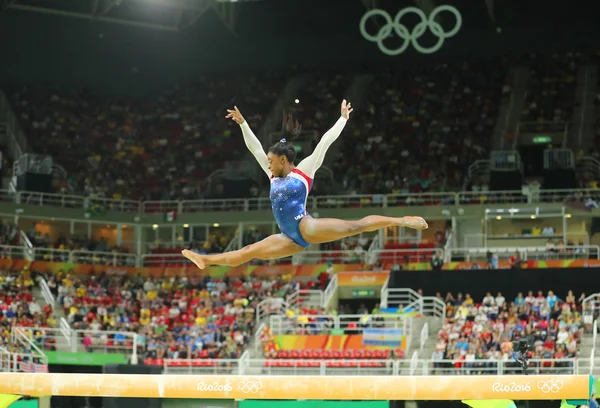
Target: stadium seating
75 127
485 330
437 121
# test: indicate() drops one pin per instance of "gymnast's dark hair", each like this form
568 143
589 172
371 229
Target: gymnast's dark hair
290 128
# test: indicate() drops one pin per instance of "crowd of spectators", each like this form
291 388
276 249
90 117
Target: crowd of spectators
19 307
417 130
421 128
158 148
481 334
552 83
174 318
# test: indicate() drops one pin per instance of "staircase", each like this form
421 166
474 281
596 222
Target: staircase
581 134
11 135
510 109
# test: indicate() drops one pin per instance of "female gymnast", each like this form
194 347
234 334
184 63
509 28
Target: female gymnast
290 185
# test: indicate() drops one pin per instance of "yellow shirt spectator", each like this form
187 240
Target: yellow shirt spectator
151 295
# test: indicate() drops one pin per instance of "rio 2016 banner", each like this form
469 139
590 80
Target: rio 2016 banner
358 388
312 404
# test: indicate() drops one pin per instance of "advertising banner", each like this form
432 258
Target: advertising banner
262 271
347 388
333 342
383 337
362 279
86 359
312 404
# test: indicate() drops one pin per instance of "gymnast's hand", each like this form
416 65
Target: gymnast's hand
346 109
235 115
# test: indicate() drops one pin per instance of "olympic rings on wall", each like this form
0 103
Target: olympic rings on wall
410 37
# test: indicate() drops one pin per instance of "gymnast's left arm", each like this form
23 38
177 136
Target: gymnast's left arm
312 163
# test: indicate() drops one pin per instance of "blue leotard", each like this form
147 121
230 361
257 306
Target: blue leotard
288 200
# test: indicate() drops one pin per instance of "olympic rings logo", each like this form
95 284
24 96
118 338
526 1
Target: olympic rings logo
250 387
410 37
550 386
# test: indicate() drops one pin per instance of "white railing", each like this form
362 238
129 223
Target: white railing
244 362
270 306
24 339
400 256
414 363
203 366
320 202
305 297
97 341
424 336
411 301
330 291
13 362
325 257
66 331
589 306
383 294
59 255
593 352
207 366
527 253
47 294
282 324
258 336
370 367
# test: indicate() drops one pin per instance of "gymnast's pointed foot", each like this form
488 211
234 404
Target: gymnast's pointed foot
194 257
417 223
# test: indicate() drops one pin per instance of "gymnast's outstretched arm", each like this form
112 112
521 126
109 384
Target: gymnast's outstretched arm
312 163
252 142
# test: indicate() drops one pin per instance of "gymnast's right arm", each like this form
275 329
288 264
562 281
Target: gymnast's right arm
252 142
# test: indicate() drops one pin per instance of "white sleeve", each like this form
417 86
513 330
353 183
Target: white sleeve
253 144
312 163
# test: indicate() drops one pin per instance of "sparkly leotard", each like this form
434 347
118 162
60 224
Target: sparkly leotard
288 200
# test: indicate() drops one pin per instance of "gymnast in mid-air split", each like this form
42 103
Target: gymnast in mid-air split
290 186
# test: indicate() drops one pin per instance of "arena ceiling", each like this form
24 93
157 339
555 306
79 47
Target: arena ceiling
170 15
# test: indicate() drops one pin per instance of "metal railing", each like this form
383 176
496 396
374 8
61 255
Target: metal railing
526 253
414 363
593 352
269 307
410 301
44 338
305 297
320 202
282 324
47 294
60 255
334 257
413 366
14 362
424 336
208 366
399 256
330 291
23 337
